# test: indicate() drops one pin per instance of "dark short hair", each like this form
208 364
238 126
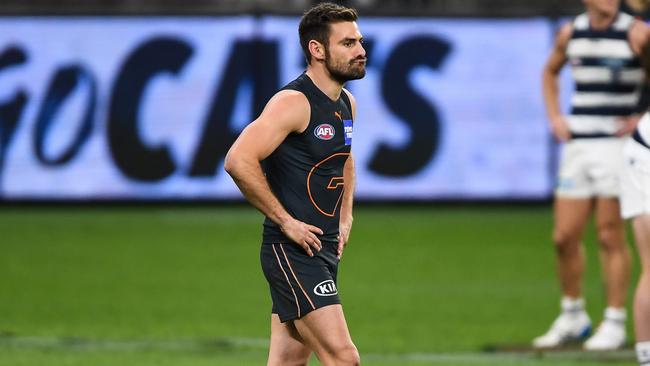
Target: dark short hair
315 24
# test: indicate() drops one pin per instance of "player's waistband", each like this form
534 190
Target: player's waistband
593 135
269 238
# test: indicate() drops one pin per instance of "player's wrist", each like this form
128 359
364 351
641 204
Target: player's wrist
285 221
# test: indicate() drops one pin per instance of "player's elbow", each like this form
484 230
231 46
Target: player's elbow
231 163
238 163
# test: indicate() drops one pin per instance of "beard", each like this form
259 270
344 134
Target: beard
343 71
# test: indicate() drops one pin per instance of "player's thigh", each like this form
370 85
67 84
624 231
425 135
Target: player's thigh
570 217
326 331
287 347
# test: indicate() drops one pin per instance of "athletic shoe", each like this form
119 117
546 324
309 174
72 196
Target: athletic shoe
568 327
610 335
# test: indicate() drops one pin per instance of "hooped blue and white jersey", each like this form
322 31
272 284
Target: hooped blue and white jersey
608 76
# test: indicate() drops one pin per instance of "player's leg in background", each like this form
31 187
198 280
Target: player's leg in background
326 333
641 226
573 323
571 216
614 251
616 262
287 347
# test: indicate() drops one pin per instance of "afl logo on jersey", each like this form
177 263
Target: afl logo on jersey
324 131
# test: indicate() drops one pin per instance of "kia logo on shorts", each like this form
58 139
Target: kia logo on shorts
324 131
326 288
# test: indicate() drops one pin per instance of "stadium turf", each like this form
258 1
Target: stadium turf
421 285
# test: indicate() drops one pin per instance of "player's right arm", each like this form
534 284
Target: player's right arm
550 88
287 112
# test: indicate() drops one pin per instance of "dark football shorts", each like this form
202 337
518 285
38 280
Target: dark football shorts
299 283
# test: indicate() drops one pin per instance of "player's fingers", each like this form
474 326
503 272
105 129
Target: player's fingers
314 229
307 249
314 242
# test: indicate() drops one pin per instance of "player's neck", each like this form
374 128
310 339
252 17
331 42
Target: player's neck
599 20
324 82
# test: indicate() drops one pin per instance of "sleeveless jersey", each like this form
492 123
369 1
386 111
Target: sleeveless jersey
305 172
608 77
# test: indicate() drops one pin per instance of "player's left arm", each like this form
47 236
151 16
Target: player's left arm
639 38
349 179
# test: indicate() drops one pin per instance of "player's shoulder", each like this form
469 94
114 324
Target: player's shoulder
288 109
563 36
639 27
565 32
288 99
639 35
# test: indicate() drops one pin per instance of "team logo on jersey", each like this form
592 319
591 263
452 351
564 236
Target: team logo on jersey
326 288
324 131
325 189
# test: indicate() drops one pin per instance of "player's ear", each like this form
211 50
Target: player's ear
317 50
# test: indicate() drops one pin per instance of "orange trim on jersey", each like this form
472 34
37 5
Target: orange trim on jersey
287 278
311 198
296 278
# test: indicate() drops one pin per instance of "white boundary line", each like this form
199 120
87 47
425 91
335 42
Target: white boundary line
230 343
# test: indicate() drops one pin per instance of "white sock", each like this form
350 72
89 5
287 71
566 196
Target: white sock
643 353
571 305
618 315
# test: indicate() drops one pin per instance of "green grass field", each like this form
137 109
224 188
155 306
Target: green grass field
425 285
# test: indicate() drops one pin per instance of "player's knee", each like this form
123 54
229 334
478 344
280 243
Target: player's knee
348 355
611 237
565 241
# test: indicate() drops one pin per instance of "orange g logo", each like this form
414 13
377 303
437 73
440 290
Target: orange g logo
326 190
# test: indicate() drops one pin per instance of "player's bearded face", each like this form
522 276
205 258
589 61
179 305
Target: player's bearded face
344 68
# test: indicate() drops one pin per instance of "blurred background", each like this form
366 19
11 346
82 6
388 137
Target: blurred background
140 100
461 8
122 240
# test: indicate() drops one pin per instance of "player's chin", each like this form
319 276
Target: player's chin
357 72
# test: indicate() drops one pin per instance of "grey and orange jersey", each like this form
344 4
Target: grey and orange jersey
305 172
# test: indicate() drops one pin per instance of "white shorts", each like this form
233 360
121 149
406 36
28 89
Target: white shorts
635 180
590 168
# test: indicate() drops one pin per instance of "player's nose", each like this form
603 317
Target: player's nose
361 51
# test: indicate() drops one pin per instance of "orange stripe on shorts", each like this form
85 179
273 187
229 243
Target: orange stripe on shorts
296 278
287 278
